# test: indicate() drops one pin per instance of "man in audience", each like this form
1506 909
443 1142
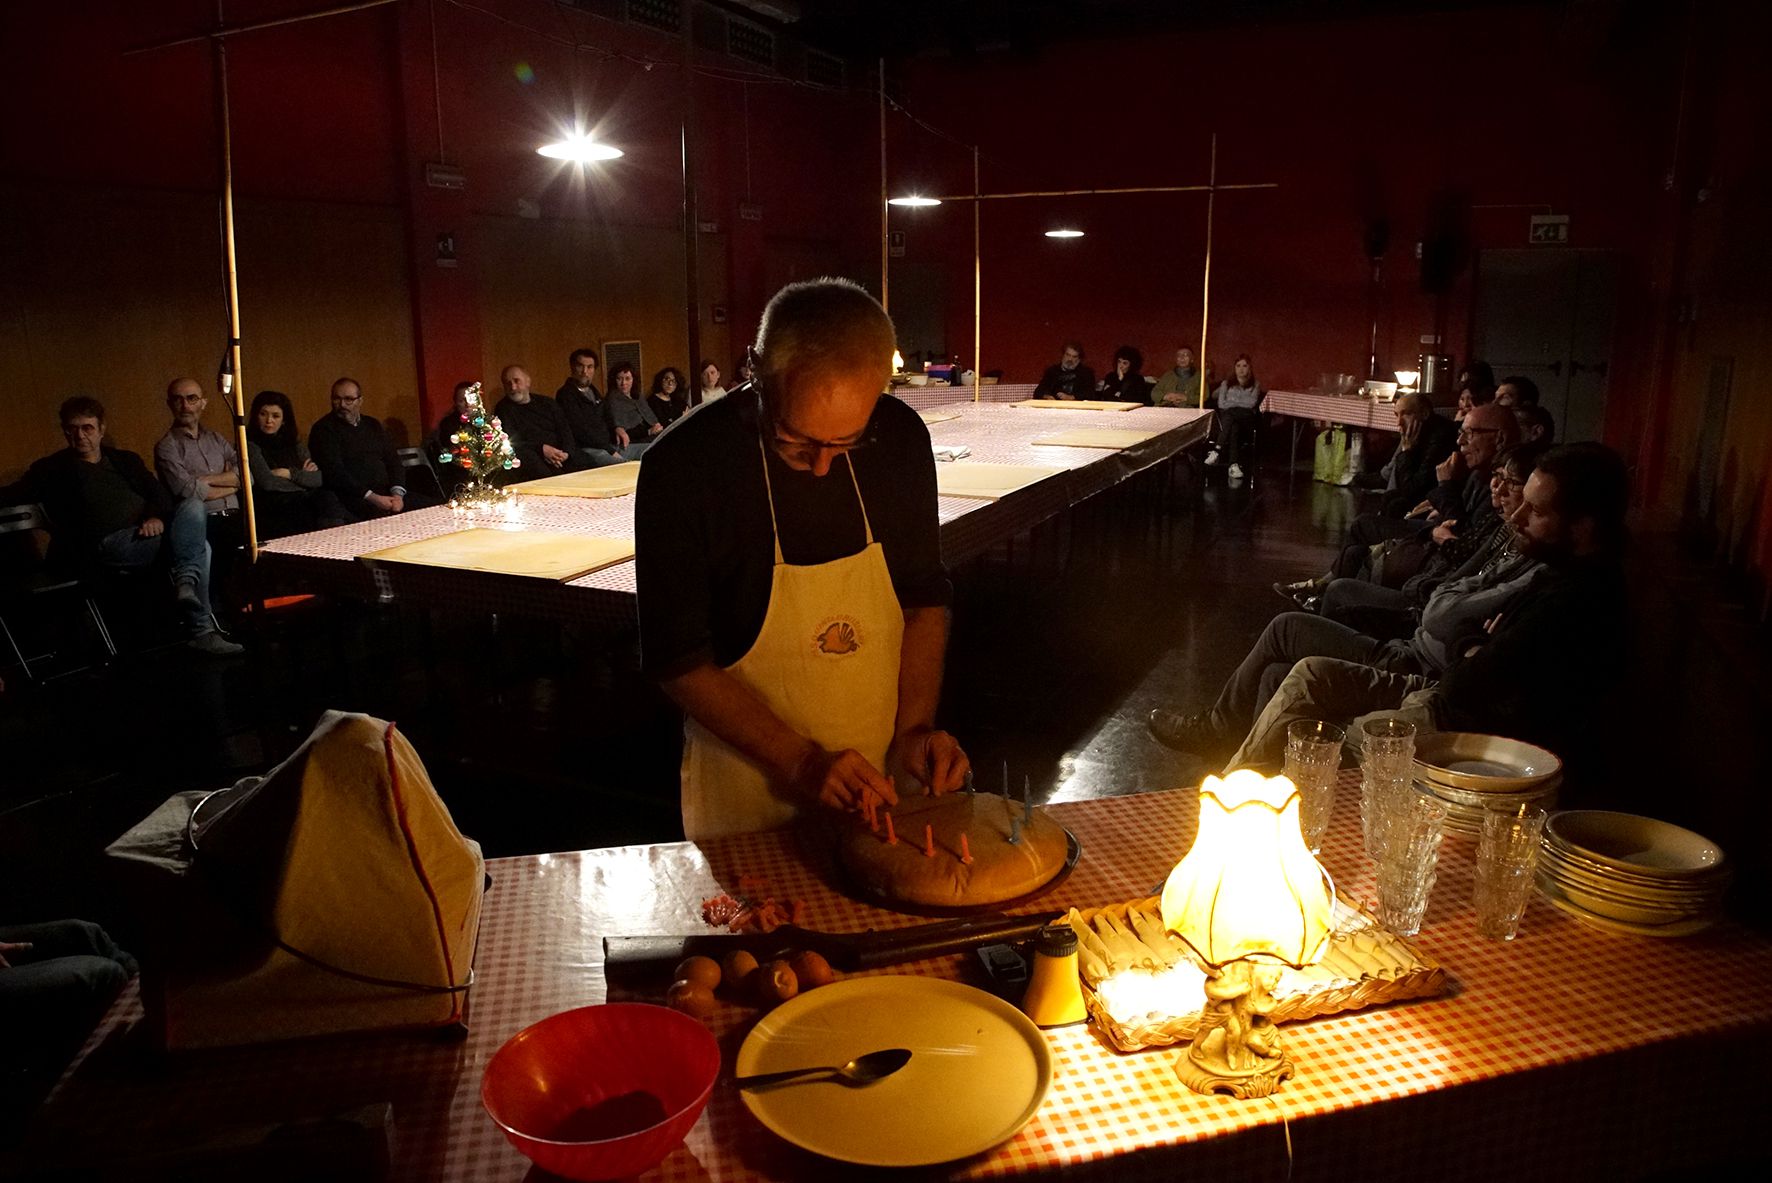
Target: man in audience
1455 508
1517 391
1536 424
1069 379
631 421
192 460
1549 663
579 397
1179 386
540 434
106 510
356 458
1424 441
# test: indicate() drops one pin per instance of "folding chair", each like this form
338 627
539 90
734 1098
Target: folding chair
28 579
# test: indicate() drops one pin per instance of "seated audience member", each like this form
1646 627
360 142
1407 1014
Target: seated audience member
1536 424
741 371
1425 440
711 390
356 458
1517 391
1385 612
540 434
669 396
1069 379
1234 424
1452 620
56 980
632 421
1180 385
106 510
286 493
1125 383
192 460
1454 508
452 476
579 397
1548 664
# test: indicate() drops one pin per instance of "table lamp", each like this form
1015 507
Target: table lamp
1247 892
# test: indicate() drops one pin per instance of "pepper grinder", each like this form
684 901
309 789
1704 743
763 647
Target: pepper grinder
1055 993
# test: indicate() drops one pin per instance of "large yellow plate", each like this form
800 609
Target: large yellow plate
966 478
1076 404
613 480
978 1071
540 554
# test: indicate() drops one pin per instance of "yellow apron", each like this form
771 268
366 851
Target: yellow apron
825 661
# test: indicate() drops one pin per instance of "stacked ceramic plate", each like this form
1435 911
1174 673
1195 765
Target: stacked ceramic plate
1625 873
1474 773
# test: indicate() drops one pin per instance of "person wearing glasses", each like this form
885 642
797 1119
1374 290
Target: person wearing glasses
356 459
791 594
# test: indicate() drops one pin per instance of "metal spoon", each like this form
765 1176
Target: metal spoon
859 1071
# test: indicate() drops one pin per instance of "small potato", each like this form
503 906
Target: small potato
736 969
811 969
703 971
693 999
776 983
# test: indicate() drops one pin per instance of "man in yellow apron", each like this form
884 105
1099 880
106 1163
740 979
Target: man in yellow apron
792 599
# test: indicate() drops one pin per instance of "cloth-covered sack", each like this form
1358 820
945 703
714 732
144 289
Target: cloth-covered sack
333 894
1331 456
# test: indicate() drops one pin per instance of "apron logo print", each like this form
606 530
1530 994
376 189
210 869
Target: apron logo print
838 638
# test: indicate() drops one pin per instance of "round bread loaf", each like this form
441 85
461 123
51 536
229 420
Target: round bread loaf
999 870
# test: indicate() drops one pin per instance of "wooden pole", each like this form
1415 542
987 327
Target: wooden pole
885 233
233 288
691 208
1206 277
977 289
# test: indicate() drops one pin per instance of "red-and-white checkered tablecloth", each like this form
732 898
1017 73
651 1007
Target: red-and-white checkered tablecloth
1329 408
325 560
1568 1052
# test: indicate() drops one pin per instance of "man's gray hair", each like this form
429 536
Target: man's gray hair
824 324
1416 402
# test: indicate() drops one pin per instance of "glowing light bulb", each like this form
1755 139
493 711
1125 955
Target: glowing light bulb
579 149
914 202
1064 233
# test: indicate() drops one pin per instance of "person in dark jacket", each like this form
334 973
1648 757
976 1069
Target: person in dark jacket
106 510
1425 439
630 419
356 458
1125 382
669 396
579 397
287 496
540 434
1069 379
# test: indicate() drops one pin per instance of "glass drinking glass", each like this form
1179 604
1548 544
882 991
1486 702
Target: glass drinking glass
1412 826
1313 757
1507 856
1387 759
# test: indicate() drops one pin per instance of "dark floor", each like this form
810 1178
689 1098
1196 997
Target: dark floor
543 737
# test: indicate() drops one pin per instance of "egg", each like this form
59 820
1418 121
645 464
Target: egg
693 999
737 968
776 983
703 971
811 969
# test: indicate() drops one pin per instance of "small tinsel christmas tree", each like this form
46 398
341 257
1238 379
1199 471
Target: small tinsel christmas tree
482 447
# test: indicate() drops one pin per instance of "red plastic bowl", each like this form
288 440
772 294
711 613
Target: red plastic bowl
602 1091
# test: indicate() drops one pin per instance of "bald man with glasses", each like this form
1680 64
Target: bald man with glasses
792 598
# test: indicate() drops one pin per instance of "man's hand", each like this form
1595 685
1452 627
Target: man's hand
1493 623
396 502
386 502
1069 398
12 947
1446 531
841 779
282 472
553 455
308 465
1426 507
621 437
150 528
655 429
933 757
1451 468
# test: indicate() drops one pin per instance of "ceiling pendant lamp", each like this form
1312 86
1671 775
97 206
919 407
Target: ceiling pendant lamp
579 149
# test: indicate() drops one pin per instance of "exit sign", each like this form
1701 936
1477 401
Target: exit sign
1549 230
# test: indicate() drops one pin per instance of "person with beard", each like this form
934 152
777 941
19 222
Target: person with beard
579 397
356 458
286 483
1070 379
192 460
1545 667
540 434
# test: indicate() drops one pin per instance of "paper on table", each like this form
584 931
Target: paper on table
1059 404
931 418
615 480
539 554
952 451
988 481
1096 437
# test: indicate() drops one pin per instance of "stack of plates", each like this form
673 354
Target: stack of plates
1625 873
1474 773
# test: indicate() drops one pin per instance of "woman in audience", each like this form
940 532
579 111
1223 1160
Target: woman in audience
742 370
285 481
1237 399
631 421
669 397
1124 383
710 383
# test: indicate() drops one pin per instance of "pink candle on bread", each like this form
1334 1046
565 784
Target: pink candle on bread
928 841
891 834
965 850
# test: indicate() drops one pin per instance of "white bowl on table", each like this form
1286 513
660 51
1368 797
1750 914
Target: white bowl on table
1637 845
1481 763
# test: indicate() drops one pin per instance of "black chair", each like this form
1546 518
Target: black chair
28 581
430 486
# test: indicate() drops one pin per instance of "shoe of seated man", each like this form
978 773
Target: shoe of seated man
1184 733
1300 591
1236 472
213 644
1212 458
185 592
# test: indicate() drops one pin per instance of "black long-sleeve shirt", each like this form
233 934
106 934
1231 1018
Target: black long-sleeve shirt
355 460
85 501
1414 467
585 415
1077 383
532 425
